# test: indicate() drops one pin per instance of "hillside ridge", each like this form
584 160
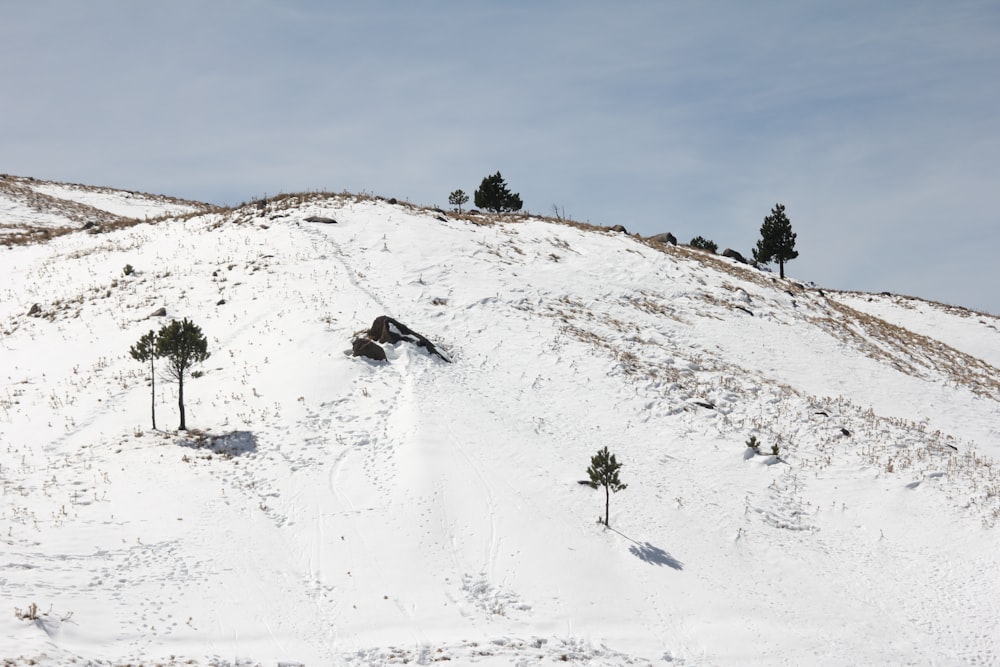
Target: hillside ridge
326 509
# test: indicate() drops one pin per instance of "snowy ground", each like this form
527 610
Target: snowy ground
326 509
31 208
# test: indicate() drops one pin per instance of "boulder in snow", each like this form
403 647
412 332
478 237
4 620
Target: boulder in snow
732 254
666 237
387 330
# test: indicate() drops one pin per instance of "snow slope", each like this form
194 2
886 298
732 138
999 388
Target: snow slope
327 509
32 208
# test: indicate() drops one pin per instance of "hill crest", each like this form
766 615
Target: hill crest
421 510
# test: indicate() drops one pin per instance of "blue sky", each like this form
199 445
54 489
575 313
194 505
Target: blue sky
877 125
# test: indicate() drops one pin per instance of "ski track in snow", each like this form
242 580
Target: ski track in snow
344 511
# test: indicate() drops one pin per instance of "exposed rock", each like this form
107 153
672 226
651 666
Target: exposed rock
220 302
35 311
321 219
664 238
619 228
366 347
845 432
393 200
473 211
159 312
732 254
387 330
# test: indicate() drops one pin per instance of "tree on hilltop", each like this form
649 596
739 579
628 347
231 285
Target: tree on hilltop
701 243
494 195
777 240
457 199
182 345
603 471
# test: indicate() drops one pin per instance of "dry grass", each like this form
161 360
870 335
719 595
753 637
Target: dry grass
90 219
909 352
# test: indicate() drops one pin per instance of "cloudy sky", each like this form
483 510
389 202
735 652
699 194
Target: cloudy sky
877 124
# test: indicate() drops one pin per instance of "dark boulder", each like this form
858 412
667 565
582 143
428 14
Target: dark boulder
366 347
35 311
664 238
159 312
387 330
321 219
620 229
732 254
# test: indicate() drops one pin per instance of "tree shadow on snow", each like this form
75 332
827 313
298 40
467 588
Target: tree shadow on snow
233 443
651 554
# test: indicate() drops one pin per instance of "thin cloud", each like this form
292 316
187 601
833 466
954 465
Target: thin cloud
871 123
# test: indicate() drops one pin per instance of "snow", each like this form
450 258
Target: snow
118 202
336 510
30 206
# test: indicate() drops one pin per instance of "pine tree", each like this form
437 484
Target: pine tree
494 195
702 243
777 240
603 471
143 351
181 344
458 198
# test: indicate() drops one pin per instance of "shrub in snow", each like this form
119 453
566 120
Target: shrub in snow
128 270
702 243
754 444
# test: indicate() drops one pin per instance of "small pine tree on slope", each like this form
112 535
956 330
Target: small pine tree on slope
777 240
603 471
143 351
181 344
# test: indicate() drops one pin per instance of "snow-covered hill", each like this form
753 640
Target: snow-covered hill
327 509
32 209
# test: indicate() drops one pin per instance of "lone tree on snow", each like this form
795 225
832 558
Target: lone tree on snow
181 344
777 240
494 195
457 199
603 471
143 351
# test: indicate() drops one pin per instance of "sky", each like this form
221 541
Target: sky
876 125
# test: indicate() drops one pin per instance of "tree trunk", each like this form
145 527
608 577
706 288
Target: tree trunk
180 402
781 269
607 505
152 378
